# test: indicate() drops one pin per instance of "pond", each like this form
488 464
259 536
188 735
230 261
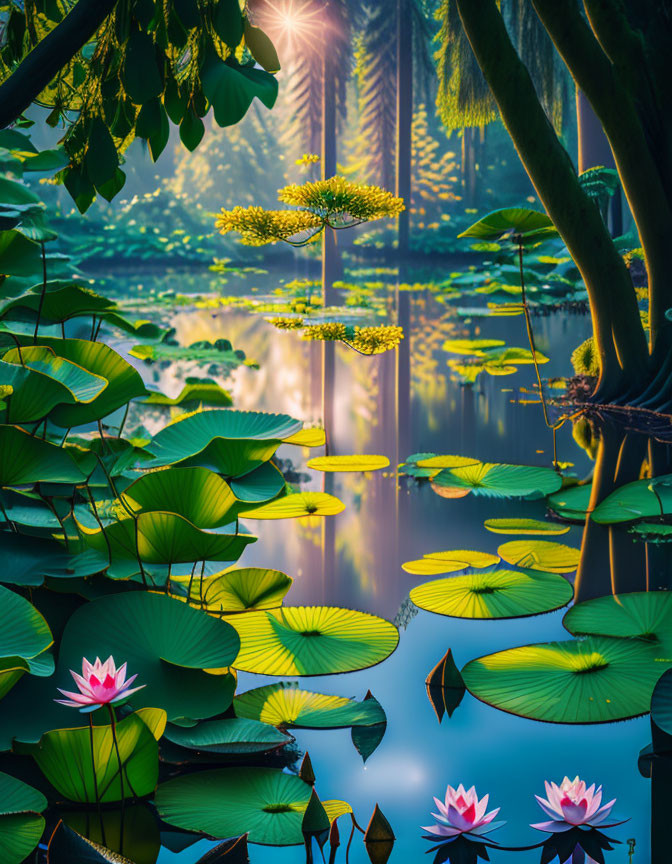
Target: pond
354 560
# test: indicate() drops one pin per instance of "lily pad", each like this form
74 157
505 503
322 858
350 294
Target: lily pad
21 825
541 555
494 594
229 736
593 680
228 441
286 705
260 485
635 501
645 615
511 220
196 391
265 803
571 503
307 438
524 526
500 480
24 635
249 588
296 505
435 563
348 463
311 640
25 460
471 347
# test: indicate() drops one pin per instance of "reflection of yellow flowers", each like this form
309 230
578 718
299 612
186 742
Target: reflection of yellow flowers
338 197
286 323
307 160
332 331
258 226
376 340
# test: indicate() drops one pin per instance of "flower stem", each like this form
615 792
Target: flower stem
113 721
95 780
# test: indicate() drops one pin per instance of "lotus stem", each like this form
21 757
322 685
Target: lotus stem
123 420
44 291
93 327
95 780
113 721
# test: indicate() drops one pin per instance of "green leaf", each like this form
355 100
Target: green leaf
541 555
524 526
25 460
635 501
496 594
66 845
18 255
21 826
262 484
572 502
250 588
500 481
227 21
265 803
64 757
595 680
196 392
297 505
142 79
661 703
261 48
229 736
101 156
510 220
192 130
311 640
62 300
435 563
231 88
348 463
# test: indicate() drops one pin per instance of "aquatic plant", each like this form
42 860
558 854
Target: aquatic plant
570 805
99 684
462 812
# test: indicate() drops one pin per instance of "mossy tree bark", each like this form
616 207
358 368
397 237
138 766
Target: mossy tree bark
619 336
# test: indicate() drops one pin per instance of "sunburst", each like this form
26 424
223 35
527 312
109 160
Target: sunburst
292 24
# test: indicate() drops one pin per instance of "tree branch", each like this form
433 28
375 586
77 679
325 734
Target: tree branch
49 56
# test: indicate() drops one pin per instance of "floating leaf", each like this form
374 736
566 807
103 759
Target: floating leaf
511 220
595 680
501 481
248 588
440 462
21 825
645 615
307 438
196 391
661 703
495 594
541 555
524 526
435 563
348 463
635 501
572 502
312 640
471 347
286 705
266 804
296 505
229 736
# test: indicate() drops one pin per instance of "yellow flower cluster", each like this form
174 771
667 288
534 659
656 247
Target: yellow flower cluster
376 340
332 331
337 197
286 323
258 226
308 159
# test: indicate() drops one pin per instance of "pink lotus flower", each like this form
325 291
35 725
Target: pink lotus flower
571 805
462 813
99 684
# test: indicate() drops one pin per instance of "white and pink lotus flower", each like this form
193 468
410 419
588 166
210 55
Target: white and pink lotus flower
572 805
99 684
462 813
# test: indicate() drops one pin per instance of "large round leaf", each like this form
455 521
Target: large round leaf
661 703
60 301
25 460
524 526
500 481
312 640
495 594
635 501
307 438
165 642
595 680
21 825
233 735
572 502
645 615
297 505
541 555
435 563
260 485
265 803
240 590
286 705
228 441
516 220
199 495
23 630
348 463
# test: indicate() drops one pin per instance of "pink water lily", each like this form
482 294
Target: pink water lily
462 813
571 805
99 684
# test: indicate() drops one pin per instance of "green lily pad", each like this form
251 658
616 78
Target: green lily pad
137 735
24 634
260 485
311 640
645 615
28 560
21 825
593 680
229 736
435 563
541 555
501 481
265 803
511 220
571 503
494 594
249 588
297 505
196 391
652 532
287 706
524 526
635 501
62 300
230 442
314 437
348 463
25 460
471 347
661 703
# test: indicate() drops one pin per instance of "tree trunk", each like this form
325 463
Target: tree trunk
49 56
328 163
619 336
594 151
404 147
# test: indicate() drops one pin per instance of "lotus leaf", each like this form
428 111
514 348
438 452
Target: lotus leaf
449 562
500 481
229 736
28 560
62 300
541 555
511 220
524 526
286 705
307 438
635 501
495 594
593 680
265 803
262 484
296 505
25 460
24 634
21 825
571 503
348 463
196 391
661 703
228 441
311 640
248 588
471 347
